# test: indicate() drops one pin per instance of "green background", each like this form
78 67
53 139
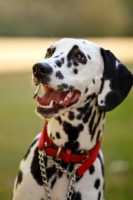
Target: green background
19 125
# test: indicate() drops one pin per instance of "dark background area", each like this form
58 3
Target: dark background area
71 18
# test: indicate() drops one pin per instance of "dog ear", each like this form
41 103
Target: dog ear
116 83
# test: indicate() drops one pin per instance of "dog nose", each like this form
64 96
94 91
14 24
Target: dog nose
41 70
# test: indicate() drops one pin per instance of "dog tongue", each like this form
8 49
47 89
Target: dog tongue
44 101
50 95
57 97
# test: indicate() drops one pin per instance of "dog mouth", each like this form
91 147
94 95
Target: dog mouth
53 100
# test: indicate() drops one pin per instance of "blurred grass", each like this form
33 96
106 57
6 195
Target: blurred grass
19 125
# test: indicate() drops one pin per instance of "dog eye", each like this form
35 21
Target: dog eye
79 56
49 53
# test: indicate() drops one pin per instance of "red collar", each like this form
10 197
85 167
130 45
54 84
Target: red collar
86 158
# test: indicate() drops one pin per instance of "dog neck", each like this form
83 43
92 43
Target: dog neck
79 128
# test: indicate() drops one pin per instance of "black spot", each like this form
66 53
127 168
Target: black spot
102 165
53 182
101 101
92 169
86 90
65 86
73 146
51 136
83 109
102 79
69 64
90 97
50 172
87 115
75 63
99 196
94 81
98 135
60 174
62 86
92 123
19 178
89 57
59 120
35 168
75 71
76 196
71 87
58 63
96 124
71 115
58 135
96 103
26 155
59 75
84 42
72 131
62 60
79 116
97 183
56 56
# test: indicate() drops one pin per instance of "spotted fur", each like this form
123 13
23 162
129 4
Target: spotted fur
103 82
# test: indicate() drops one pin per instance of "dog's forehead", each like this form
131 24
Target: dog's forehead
66 44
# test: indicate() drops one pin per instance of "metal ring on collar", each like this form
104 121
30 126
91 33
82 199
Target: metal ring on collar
58 152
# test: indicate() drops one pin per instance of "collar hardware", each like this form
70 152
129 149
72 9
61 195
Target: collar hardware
85 158
58 152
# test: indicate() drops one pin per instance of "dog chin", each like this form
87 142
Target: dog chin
48 113
44 113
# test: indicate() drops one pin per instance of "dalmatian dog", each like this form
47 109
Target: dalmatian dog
80 82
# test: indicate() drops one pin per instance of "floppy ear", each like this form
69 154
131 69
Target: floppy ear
116 84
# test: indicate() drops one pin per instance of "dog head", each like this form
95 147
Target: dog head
75 71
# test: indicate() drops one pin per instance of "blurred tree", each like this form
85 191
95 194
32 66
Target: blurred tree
71 18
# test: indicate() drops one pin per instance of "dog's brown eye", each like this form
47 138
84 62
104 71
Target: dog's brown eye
49 53
79 56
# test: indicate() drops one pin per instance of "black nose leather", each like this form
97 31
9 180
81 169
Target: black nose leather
41 70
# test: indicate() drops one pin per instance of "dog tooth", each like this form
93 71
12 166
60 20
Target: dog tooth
44 106
51 104
60 102
69 94
41 106
66 98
